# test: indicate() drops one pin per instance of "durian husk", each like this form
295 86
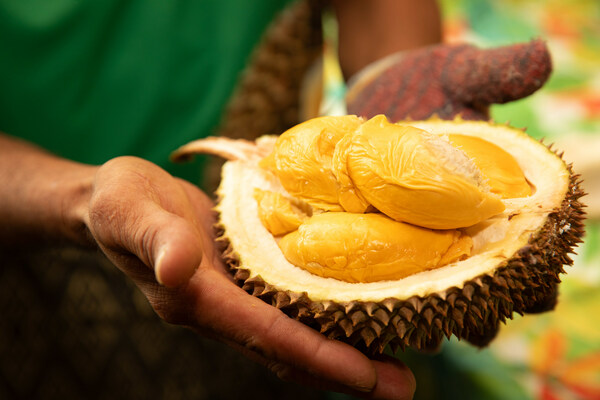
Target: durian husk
471 307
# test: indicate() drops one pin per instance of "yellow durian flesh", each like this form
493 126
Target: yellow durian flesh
415 177
301 159
277 213
405 172
505 177
515 261
370 247
347 164
495 240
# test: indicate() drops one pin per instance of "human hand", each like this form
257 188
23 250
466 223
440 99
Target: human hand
157 228
449 80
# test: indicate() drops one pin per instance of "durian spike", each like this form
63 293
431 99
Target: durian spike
229 149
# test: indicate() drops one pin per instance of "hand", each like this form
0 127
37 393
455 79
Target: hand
157 228
449 80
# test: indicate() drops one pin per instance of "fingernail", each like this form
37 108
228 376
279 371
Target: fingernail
363 389
158 265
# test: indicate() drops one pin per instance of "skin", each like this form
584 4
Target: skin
157 229
370 30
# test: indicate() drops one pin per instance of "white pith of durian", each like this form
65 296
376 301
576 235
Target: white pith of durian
495 239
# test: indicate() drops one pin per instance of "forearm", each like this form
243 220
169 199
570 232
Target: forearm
372 29
42 197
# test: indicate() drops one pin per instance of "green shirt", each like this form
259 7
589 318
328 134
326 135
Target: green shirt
93 79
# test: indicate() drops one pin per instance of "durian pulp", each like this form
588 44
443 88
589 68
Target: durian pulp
278 213
416 179
504 176
348 164
370 247
494 240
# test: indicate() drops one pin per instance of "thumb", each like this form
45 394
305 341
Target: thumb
497 75
159 239
138 214
176 249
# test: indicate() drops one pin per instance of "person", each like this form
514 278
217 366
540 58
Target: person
155 227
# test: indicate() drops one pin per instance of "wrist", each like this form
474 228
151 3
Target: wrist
42 197
72 192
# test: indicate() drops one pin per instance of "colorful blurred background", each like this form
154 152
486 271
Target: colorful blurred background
555 355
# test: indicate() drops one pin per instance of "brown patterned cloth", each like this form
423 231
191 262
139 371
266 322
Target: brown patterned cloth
73 326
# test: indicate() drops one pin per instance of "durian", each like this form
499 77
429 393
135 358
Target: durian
399 234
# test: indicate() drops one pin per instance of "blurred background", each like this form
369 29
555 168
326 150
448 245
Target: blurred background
555 355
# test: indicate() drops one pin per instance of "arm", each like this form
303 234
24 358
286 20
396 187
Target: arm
372 29
155 227
42 197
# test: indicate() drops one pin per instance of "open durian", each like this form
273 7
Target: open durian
397 234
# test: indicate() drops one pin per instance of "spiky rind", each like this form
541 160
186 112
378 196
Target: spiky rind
525 283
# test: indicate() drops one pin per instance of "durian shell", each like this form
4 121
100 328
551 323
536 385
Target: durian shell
525 282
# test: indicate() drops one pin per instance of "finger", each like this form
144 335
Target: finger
394 380
265 330
139 209
163 241
498 75
291 374
176 248
159 239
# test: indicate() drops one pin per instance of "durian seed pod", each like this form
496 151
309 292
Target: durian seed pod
467 299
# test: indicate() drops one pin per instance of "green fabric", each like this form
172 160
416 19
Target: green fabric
91 80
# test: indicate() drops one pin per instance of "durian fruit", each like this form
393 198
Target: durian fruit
496 235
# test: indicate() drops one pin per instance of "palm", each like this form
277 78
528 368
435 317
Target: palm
154 226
